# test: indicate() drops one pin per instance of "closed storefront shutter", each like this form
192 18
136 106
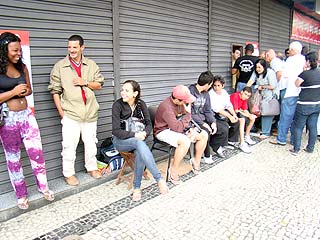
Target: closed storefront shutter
232 22
275 25
314 47
163 43
50 23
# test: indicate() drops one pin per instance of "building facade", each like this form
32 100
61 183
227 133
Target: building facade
159 43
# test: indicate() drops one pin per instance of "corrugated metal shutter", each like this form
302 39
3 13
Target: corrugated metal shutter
50 23
275 26
163 43
233 22
314 47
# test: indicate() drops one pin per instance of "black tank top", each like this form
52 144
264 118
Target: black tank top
8 83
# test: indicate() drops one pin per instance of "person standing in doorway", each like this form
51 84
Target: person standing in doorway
235 55
73 81
245 66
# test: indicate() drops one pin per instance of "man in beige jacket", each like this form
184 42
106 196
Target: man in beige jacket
72 84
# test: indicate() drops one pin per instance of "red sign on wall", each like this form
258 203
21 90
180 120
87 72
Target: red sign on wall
305 29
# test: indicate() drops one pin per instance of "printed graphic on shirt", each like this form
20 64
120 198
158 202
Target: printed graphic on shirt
246 65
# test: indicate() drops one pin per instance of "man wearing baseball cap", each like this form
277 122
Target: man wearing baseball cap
245 66
172 125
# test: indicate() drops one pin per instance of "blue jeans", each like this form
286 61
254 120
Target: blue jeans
143 158
240 86
288 107
306 115
282 93
266 123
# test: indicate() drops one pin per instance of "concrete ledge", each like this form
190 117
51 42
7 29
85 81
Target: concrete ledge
8 202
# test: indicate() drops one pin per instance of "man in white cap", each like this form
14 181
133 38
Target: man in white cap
172 125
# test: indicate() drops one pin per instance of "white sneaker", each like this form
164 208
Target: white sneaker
248 140
208 160
245 148
228 147
220 152
232 143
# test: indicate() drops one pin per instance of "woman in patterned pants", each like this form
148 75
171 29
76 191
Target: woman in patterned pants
20 125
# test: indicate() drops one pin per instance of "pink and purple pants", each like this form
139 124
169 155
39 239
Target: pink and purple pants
21 127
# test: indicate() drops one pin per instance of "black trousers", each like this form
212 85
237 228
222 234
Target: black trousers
207 149
226 131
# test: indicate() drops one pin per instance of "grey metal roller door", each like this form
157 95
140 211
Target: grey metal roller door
233 22
163 43
314 47
50 23
275 25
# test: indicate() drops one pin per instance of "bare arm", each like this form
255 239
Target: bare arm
8 95
234 71
94 85
279 75
28 89
21 90
230 115
298 82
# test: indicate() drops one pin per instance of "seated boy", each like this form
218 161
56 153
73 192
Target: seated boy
240 106
205 117
221 105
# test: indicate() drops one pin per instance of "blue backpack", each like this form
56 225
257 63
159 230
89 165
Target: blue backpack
109 155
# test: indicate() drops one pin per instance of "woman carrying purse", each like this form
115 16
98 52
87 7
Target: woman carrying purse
266 82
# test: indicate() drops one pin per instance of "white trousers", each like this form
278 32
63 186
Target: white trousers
71 131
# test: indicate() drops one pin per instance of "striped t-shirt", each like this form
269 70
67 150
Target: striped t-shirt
310 87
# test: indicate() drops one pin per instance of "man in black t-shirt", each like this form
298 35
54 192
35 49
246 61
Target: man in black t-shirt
245 66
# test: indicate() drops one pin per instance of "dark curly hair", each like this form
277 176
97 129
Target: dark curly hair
5 39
